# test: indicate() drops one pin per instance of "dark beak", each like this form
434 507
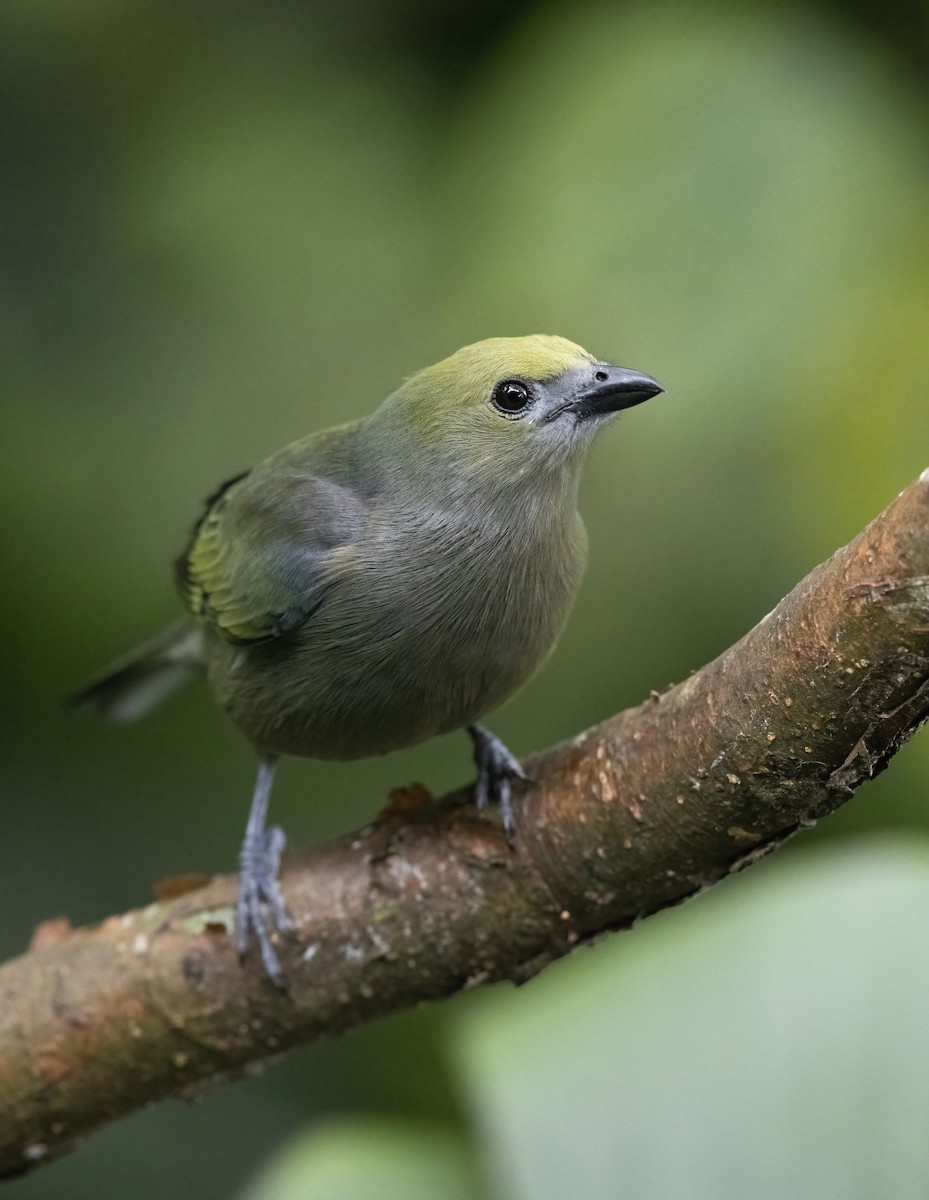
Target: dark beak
612 389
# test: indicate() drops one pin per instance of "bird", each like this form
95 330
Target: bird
378 583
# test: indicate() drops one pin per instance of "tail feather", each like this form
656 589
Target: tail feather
135 684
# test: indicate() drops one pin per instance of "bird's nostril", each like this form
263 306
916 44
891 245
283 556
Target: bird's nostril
601 377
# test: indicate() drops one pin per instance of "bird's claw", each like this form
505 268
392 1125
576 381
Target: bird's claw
260 910
497 767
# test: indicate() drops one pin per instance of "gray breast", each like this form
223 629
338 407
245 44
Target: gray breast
427 629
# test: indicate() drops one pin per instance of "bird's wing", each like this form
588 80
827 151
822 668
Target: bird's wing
262 557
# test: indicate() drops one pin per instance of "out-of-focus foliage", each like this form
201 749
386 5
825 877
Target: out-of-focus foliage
366 1159
774 1048
224 226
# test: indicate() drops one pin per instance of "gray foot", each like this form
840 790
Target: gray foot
260 911
496 769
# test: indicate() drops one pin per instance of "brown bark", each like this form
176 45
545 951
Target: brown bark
631 816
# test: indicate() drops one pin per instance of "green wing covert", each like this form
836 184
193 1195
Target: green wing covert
259 561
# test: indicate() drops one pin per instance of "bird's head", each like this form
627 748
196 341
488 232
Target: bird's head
513 407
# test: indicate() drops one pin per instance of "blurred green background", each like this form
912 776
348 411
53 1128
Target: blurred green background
223 226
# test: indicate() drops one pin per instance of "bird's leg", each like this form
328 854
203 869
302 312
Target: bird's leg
496 769
260 907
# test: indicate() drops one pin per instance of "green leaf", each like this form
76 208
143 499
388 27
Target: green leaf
777 1047
369 1160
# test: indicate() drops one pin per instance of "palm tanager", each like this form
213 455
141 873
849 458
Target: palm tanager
390 579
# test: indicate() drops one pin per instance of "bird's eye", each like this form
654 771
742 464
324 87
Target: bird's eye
511 397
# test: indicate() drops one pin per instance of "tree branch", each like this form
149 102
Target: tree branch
652 806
